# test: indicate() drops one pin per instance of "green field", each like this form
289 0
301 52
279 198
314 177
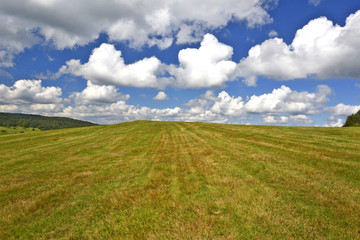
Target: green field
175 180
17 129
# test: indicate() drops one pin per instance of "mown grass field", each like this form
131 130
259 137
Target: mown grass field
172 180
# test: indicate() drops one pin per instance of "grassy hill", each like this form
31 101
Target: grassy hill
9 120
172 180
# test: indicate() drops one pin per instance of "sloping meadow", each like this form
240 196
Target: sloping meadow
176 180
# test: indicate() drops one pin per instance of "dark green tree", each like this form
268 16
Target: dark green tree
353 120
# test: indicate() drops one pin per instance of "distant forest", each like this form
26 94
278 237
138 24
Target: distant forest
353 120
40 122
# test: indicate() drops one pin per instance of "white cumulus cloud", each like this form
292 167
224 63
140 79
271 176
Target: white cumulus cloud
301 119
29 91
208 66
29 96
286 100
292 105
98 94
336 122
342 109
161 96
320 49
228 105
275 119
106 67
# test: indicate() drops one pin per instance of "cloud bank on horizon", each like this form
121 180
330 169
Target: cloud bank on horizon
179 68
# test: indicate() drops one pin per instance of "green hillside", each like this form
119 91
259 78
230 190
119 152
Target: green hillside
172 180
9 120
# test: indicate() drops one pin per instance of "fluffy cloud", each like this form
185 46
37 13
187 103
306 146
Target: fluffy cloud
161 96
334 122
106 66
204 101
202 108
319 49
280 101
227 105
29 91
48 109
96 94
28 96
295 119
337 123
208 66
67 23
275 119
342 109
286 100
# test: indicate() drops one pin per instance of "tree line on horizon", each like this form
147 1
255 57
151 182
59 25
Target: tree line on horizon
40 122
48 123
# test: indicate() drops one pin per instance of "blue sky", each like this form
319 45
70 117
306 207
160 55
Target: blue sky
265 62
